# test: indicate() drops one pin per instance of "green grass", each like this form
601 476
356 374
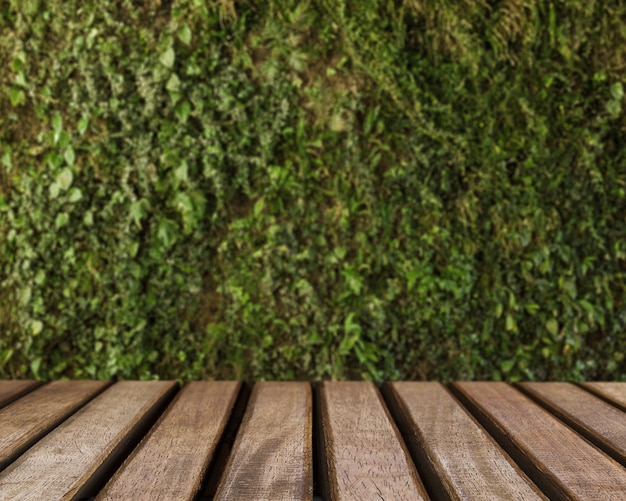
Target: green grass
312 190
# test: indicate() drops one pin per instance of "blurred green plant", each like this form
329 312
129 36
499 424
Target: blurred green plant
331 189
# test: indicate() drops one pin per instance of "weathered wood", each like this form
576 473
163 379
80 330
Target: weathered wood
12 390
457 458
600 422
25 421
71 461
272 456
556 458
172 460
363 456
613 392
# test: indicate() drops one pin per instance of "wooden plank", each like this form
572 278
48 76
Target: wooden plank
272 455
457 458
25 421
613 392
363 454
72 460
171 462
600 422
555 457
12 390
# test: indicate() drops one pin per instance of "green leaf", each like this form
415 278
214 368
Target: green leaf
353 279
511 325
369 120
181 173
35 365
587 306
173 84
168 58
175 97
88 218
499 310
507 365
69 155
57 123
166 232
183 110
411 277
259 206
21 80
6 158
617 91
199 202
531 308
55 189
139 210
552 326
347 343
61 220
54 160
65 178
36 327
351 326
133 248
40 278
352 334
6 356
75 195
26 295
183 202
614 108
18 62
17 97
184 34
83 124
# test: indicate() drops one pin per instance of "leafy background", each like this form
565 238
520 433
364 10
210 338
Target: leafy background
312 189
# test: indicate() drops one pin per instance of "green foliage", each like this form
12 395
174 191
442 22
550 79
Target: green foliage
333 189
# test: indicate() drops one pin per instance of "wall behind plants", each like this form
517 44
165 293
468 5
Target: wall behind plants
328 189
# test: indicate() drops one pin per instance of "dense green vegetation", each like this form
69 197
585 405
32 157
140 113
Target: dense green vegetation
325 189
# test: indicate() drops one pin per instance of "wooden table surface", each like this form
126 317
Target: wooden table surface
225 440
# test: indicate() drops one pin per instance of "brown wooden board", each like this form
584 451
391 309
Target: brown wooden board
363 454
12 390
613 392
172 460
26 420
71 461
457 458
600 422
562 463
272 455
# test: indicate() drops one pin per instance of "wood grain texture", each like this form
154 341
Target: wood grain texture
364 456
600 422
613 392
457 458
69 461
12 390
556 458
23 422
172 460
272 455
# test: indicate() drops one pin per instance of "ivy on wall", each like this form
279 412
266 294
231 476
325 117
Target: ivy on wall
312 189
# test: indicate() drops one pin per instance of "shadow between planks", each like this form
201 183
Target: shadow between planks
296 440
